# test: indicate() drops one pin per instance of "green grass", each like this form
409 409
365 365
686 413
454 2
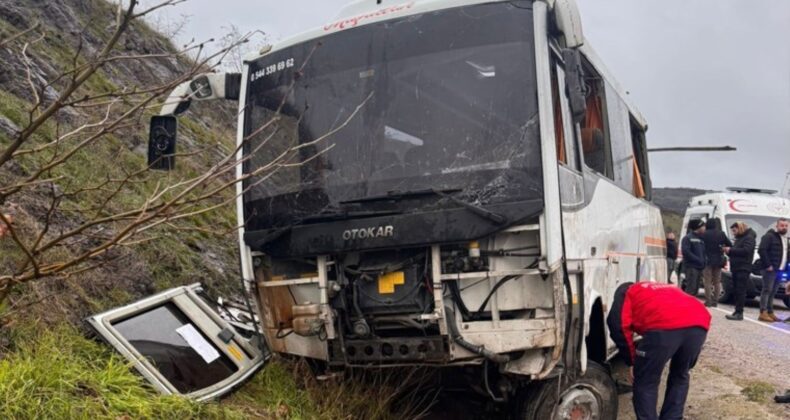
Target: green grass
13 108
274 393
58 374
757 391
287 390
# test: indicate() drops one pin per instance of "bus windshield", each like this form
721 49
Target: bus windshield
446 100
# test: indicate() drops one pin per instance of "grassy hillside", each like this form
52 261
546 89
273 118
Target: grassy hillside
49 368
175 257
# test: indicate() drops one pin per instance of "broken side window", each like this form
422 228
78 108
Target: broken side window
595 135
180 344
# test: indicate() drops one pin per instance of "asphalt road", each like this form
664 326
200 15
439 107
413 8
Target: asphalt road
751 349
738 357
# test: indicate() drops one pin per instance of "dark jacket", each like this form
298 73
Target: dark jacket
714 239
771 250
642 307
693 248
672 249
742 252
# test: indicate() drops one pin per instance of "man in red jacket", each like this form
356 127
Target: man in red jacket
673 326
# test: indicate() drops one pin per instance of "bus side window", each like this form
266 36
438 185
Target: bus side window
643 187
564 129
620 141
594 133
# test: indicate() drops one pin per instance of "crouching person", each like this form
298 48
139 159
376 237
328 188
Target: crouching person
673 326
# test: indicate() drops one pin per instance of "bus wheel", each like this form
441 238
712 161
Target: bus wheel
786 299
590 397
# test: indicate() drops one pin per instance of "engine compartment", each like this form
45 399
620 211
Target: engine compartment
413 305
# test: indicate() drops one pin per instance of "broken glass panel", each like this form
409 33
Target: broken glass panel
180 344
172 355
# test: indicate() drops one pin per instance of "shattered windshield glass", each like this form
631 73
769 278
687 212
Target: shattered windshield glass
444 100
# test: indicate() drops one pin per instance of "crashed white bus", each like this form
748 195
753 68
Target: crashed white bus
470 186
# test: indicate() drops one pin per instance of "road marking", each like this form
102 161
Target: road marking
757 322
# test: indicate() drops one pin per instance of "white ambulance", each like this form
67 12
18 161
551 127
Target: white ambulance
758 208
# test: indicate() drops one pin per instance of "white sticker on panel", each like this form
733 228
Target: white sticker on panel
197 342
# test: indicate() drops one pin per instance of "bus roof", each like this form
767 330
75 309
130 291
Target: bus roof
364 12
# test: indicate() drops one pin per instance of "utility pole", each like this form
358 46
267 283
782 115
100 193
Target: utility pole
693 149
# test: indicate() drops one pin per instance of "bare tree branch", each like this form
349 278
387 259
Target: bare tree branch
18 35
101 218
123 22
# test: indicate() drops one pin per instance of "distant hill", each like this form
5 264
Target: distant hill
674 199
673 203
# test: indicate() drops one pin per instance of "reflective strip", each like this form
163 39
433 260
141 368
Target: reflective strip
235 353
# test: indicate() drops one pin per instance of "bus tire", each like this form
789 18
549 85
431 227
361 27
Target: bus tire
786 299
593 395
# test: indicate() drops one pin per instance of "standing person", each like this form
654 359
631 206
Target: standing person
672 255
693 248
716 245
741 255
673 326
773 255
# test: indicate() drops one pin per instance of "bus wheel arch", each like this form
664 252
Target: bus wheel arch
592 395
596 336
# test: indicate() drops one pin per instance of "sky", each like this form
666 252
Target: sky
702 72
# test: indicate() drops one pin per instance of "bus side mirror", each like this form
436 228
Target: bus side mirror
162 142
163 128
568 21
575 89
204 87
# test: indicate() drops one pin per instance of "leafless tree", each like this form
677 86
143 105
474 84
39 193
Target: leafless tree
101 219
237 50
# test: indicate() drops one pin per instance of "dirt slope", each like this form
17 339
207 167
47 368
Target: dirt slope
177 257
